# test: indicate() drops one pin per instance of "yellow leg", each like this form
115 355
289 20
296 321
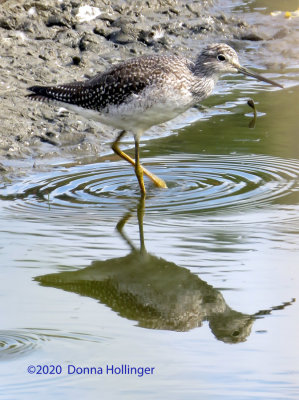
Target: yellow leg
154 178
138 168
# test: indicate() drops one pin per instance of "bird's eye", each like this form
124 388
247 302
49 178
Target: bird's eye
221 57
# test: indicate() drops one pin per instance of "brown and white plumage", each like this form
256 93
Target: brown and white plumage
133 95
139 93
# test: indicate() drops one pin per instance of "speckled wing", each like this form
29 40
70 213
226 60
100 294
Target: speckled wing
112 87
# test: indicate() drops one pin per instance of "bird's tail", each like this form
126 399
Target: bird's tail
69 93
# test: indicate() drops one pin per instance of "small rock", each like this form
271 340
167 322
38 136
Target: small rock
251 36
121 37
56 20
76 60
2 168
8 23
281 33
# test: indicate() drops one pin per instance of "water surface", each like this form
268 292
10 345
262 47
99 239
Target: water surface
198 283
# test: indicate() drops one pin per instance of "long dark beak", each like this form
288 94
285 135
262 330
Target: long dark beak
245 71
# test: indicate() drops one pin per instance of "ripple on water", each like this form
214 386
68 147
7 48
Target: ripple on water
16 343
205 183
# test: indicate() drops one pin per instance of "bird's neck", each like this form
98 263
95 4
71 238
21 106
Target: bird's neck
204 81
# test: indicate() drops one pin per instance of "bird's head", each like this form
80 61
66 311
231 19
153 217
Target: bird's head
218 59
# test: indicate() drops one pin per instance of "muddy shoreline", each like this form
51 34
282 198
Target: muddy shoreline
60 41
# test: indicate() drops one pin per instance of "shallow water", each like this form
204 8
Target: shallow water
198 284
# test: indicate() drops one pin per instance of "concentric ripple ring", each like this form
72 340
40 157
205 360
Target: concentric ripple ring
202 183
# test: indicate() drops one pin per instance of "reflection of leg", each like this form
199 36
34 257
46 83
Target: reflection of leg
140 215
157 181
122 222
120 226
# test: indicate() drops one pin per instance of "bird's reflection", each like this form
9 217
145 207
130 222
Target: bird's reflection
157 293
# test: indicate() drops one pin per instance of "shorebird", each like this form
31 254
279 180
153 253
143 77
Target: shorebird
136 94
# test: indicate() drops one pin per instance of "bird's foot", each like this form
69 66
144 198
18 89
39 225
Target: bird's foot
155 179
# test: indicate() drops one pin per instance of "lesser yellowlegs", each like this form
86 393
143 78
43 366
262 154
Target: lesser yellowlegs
142 92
